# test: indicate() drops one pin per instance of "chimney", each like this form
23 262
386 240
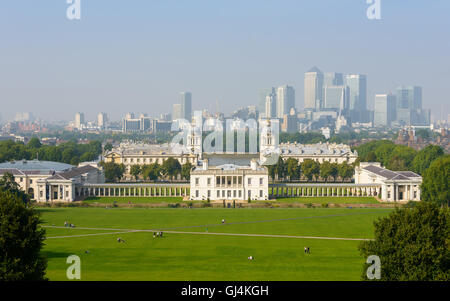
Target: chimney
253 164
205 164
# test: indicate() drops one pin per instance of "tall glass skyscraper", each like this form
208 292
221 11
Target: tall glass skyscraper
314 89
262 94
384 110
186 105
285 100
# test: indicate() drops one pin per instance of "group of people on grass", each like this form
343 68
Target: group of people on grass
66 224
157 234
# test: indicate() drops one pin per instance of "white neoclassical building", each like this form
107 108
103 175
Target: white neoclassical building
47 181
395 185
229 182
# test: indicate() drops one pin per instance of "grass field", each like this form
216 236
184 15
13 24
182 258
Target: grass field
134 200
197 246
329 200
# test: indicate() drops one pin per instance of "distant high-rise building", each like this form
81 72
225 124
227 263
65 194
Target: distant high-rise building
177 112
335 97
24 116
262 94
357 98
384 109
271 106
186 105
79 120
102 119
409 106
313 89
285 100
333 79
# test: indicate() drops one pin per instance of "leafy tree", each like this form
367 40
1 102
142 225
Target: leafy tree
108 147
151 172
424 158
186 171
135 171
334 171
21 239
346 171
436 182
413 244
310 169
272 171
280 168
326 169
292 168
171 167
34 143
113 171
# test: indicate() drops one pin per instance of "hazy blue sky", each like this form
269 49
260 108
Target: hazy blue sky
138 55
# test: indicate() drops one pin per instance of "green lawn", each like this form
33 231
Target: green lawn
329 200
185 256
134 200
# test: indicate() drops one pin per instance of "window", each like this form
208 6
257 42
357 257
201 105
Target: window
209 181
196 181
217 180
209 193
67 194
260 193
218 193
41 194
261 181
21 179
240 193
249 194
31 181
240 180
415 194
196 193
249 181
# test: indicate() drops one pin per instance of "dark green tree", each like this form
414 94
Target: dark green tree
424 158
171 167
310 169
292 168
186 170
412 244
113 171
151 172
346 171
326 169
34 143
436 182
135 171
21 238
108 147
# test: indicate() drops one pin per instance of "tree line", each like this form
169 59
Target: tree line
70 152
399 157
169 169
290 170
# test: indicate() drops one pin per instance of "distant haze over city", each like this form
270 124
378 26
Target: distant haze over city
137 57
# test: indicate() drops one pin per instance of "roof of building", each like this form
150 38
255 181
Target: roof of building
36 166
324 149
391 175
237 159
72 173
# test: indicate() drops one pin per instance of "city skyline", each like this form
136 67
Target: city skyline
226 62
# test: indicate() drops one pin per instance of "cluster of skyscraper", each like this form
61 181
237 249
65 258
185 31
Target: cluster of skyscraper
331 91
183 110
402 108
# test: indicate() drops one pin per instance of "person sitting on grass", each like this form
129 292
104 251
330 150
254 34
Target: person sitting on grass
250 258
119 240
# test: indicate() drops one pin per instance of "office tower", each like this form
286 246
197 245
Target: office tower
409 105
384 110
290 122
285 100
336 97
102 119
333 79
271 106
79 120
313 89
129 116
262 94
357 98
177 112
186 105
